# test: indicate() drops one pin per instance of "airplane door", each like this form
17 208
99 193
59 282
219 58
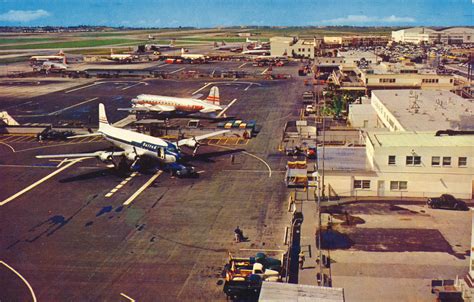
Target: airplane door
161 153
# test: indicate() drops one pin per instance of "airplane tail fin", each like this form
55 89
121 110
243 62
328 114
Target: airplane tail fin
182 51
172 43
111 51
102 116
64 60
213 97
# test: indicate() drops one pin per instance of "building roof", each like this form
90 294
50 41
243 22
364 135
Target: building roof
427 30
356 54
428 110
395 68
418 139
277 291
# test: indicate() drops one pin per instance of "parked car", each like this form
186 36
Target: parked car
447 201
49 134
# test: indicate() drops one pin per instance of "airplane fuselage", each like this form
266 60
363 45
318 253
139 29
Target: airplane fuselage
141 144
180 104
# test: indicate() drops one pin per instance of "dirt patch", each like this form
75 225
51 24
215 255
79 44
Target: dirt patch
398 240
348 220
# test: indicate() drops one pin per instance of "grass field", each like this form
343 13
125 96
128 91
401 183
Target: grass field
23 40
73 44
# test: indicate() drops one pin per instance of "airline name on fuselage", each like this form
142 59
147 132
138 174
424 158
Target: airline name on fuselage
148 146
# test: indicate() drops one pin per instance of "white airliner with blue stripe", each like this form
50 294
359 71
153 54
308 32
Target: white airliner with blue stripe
134 145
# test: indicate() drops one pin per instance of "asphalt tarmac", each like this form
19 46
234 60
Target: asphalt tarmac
84 234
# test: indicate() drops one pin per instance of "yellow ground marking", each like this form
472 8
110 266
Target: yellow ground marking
125 296
146 185
242 65
12 139
22 278
120 185
40 181
22 139
263 72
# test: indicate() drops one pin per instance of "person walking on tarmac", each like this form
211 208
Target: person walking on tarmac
301 259
239 235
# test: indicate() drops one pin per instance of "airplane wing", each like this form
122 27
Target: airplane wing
85 155
155 108
85 135
162 108
192 141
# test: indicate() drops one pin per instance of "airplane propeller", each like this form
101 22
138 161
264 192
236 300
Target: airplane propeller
196 146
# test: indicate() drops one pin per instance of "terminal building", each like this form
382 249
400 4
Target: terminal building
417 144
425 35
355 41
403 76
364 71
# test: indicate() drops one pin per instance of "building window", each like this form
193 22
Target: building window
361 184
462 162
398 185
435 161
431 81
386 80
391 160
413 160
446 161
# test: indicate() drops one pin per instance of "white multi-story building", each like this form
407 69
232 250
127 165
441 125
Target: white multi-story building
418 35
417 144
292 47
403 76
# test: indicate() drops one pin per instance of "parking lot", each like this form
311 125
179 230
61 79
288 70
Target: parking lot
392 250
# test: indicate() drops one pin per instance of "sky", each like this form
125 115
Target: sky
212 13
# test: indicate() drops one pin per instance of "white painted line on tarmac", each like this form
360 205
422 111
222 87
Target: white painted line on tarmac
247 88
203 87
33 296
136 84
177 70
40 181
70 107
249 154
120 185
225 109
125 296
242 65
5 144
263 72
87 86
139 191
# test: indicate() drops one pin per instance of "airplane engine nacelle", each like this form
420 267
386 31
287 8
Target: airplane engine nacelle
131 156
191 143
169 159
105 157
